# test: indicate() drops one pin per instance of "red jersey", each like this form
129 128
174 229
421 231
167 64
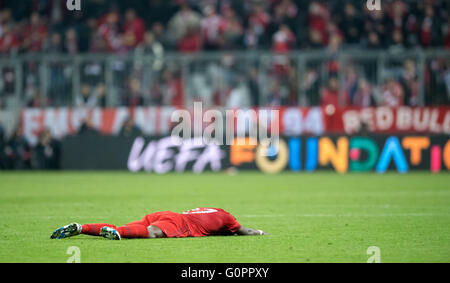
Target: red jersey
199 222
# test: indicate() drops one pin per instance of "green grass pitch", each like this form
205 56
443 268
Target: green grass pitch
320 217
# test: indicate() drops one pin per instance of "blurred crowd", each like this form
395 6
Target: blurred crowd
189 26
17 153
158 26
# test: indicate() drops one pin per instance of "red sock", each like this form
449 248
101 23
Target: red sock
133 231
94 229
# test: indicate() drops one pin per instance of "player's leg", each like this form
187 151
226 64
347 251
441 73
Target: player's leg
136 229
75 229
95 229
133 230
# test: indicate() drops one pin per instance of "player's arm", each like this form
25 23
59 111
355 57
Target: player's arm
244 231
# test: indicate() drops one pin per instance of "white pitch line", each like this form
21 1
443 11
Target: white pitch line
346 215
284 215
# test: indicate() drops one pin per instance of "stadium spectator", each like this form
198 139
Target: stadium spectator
375 25
34 34
334 44
158 11
259 21
293 86
330 94
191 42
446 76
315 39
437 89
447 36
46 155
397 16
253 86
351 83
86 98
57 81
71 45
430 28
351 24
173 88
96 43
251 39
55 44
212 28
363 96
238 96
100 95
393 94
9 42
18 151
159 33
2 101
87 128
318 21
6 16
310 88
283 40
374 41
108 29
7 83
409 83
135 27
285 11
278 94
156 92
151 46
183 22
130 129
397 44
2 148
232 29
37 101
134 96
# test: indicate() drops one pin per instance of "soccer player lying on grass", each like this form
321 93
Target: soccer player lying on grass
199 222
